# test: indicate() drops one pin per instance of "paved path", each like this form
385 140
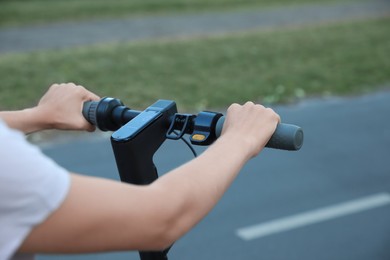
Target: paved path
76 34
345 159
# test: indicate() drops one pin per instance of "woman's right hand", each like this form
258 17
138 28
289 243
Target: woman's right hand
252 124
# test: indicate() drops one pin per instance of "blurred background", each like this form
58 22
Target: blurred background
202 53
324 65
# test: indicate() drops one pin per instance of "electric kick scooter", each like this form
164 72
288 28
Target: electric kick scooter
139 134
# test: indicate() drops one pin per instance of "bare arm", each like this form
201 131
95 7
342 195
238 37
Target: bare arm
59 108
102 215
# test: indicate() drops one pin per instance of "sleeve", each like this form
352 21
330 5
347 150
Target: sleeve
31 187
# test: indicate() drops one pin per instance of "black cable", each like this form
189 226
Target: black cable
188 144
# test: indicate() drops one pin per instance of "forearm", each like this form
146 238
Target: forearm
26 121
106 215
193 189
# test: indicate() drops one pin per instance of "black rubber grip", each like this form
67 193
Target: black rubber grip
286 136
89 111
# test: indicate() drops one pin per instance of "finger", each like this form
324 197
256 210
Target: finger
276 115
249 103
93 96
70 84
88 95
233 107
90 128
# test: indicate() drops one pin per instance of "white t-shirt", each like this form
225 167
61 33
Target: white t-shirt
31 187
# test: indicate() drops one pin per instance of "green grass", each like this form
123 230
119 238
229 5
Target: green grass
271 66
24 12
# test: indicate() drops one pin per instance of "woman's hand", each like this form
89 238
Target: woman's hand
61 107
251 124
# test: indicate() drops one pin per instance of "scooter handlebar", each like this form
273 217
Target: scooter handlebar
110 114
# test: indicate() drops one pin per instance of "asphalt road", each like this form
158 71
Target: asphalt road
330 200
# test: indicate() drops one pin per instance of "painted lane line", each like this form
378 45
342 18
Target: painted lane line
314 216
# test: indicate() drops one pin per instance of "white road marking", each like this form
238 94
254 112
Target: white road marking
314 216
